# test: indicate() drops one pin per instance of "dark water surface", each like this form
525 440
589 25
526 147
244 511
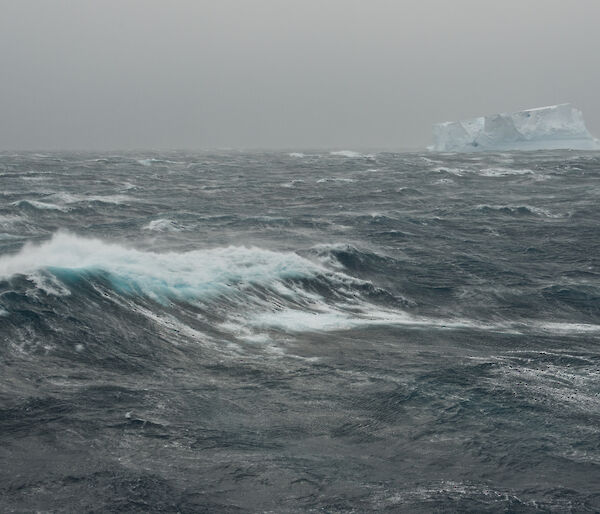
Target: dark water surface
224 332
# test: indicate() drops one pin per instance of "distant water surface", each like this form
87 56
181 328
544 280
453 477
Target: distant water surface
287 332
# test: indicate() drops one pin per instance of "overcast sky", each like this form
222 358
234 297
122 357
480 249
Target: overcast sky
196 74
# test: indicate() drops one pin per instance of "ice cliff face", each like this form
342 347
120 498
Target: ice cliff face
546 128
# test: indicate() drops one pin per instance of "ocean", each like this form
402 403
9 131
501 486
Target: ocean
229 331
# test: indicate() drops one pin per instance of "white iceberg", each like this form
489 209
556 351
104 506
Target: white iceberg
545 128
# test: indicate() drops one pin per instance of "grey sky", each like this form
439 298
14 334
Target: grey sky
114 74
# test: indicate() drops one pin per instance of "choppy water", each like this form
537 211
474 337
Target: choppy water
284 332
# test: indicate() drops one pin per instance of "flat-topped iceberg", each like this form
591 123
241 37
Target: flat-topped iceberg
545 128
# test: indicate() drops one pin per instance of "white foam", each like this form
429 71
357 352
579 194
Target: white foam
193 274
502 172
33 179
293 320
128 185
41 205
350 154
9 221
68 198
297 155
237 274
48 283
319 316
150 162
62 201
170 324
162 225
335 179
292 183
566 328
454 171
112 199
241 331
545 382
539 211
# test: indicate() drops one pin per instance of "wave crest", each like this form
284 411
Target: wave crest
193 274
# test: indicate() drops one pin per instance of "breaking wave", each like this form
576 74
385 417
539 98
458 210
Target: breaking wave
247 288
193 274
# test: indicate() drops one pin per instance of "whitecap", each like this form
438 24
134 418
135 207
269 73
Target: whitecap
68 198
350 154
515 209
41 205
194 274
48 283
502 172
152 161
292 183
334 179
453 171
162 225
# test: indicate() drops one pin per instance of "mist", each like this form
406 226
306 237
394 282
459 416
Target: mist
194 74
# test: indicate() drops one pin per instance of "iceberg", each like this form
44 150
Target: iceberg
544 128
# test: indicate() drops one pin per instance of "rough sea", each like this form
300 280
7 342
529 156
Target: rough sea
308 332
